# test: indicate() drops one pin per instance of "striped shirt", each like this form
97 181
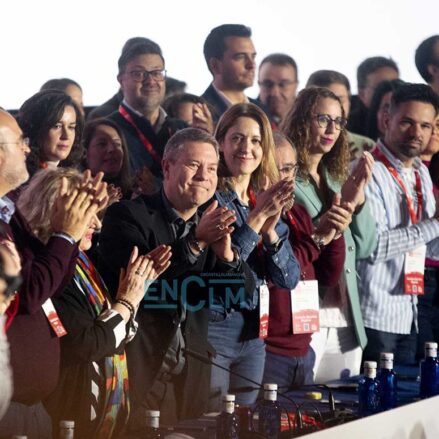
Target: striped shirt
384 305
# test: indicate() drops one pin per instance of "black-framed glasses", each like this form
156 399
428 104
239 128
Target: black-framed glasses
142 75
25 141
325 119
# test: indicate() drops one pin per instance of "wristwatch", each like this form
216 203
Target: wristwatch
195 244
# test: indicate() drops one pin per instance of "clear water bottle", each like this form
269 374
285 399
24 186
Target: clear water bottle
66 429
152 426
429 371
368 390
227 425
270 413
387 382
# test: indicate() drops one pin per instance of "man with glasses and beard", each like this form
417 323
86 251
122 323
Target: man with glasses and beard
144 123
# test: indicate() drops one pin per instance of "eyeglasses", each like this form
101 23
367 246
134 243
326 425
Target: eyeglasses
289 170
269 85
325 119
142 75
22 142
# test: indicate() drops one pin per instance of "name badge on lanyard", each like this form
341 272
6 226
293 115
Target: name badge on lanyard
414 266
53 318
414 263
305 307
264 310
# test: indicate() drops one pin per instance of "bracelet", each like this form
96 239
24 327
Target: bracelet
318 241
274 247
127 305
193 242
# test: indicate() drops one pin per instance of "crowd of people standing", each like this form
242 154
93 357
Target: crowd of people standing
160 235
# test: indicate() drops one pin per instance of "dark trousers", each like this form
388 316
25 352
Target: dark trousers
428 310
403 346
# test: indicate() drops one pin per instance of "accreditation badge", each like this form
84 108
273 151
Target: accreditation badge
305 307
414 267
53 318
264 310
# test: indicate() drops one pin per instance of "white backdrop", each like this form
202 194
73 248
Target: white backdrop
82 39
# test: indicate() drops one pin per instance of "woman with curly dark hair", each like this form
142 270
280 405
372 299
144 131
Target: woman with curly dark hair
53 123
316 126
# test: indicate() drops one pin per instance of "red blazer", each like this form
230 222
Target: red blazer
34 346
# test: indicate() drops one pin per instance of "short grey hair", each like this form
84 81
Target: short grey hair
280 138
177 142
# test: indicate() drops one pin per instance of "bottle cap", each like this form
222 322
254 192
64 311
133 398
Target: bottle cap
152 413
230 398
430 345
370 364
66 424
317 396
386 356
270 386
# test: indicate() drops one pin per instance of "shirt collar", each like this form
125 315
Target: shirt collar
160 121
417 163
225 99
171 214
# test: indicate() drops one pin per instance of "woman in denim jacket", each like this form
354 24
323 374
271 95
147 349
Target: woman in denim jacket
249 184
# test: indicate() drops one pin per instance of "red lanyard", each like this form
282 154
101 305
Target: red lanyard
414 216
293 223
146 143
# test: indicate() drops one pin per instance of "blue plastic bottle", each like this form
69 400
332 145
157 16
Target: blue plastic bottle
429 371
227 426
387 382
368 390
270 413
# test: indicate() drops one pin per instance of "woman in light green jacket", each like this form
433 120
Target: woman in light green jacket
316 125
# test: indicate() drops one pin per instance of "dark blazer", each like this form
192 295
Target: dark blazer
218 106
88 339
142 222
107 107
139 156
46 270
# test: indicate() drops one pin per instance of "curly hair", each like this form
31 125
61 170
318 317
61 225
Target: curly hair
267 167
38 115
297 127
37 199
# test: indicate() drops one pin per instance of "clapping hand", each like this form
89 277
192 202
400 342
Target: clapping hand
353 189
74 208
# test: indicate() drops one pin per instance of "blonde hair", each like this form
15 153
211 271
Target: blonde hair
267 167
37 199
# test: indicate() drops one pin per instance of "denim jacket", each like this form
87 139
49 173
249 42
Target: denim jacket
281 267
